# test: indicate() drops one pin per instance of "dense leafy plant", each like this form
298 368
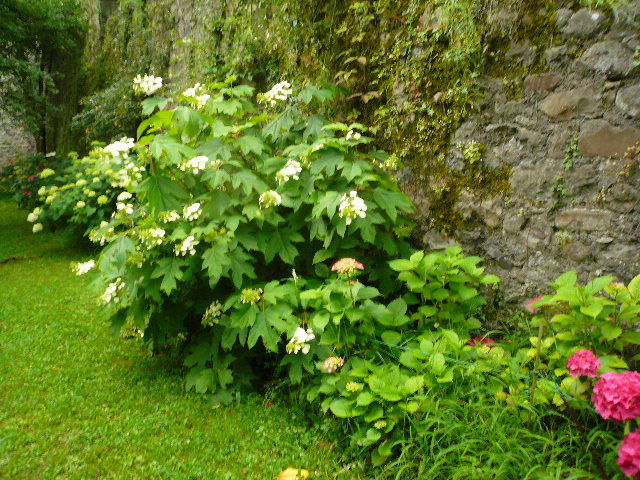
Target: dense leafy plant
22 177
229 202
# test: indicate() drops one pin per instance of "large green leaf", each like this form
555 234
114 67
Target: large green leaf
162 193
169 270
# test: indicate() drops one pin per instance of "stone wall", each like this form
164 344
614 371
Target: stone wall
573 206
15 140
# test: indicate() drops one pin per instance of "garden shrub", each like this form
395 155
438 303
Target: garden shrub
21 177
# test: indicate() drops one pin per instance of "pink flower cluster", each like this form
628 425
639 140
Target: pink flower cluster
583 363
475 341
347 266
617 395
629 455
332 364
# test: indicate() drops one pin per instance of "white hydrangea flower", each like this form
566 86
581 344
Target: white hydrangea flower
124 196
153 237
299 341
120 147
126 208
352 207
211 315
37 228
80 205
110 294
33 216
195 165
170 216
353 135
82 268
198 93
192 212
187 246
291 170
81 183
146 85
42 190
270 198
279 92
50 154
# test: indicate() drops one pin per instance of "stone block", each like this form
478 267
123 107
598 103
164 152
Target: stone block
628 100
608 57
577 251
600 138
584 219
584 22
570 103
542 82
555 53
562 16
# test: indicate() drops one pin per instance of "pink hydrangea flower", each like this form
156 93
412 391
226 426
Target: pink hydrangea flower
583 362
530 306
480 341
629 455
332 364
347 266
617 395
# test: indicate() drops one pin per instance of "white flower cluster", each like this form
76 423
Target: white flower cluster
128 175
291 170
125 208
279 92
195 165
111 293
270 198
146 85
299 341
192 212
187 246
37 227
152 237
82 268
352 135
169 216
124 196
33 216
211 315
352 207
80 204
100 235
120 147
198 93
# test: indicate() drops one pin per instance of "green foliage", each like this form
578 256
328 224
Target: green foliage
601 316
21 177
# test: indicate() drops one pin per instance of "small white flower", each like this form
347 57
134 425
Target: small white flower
198 93
192 212
120 147
187 246
50 154
291 170
42 190
352 207
294 275
170 216
270 198
33 216
124 196
299 341
82 268
279 92
195 165
80 205
211 315
127 208
146 85
37 228
352 135
110 294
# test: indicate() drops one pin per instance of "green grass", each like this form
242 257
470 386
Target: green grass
78 404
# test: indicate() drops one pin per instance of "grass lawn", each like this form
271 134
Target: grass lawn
75 403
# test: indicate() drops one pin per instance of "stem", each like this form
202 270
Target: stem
596 458
537 364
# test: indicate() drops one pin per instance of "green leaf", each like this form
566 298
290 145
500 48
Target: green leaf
364 399
150 104
634 287
328 201
391 202
592 310
162 193
609 331
262 329
172 149
341 407
597 284
169 270
567 279
250 144
248 181
490 280
216 260
329 161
